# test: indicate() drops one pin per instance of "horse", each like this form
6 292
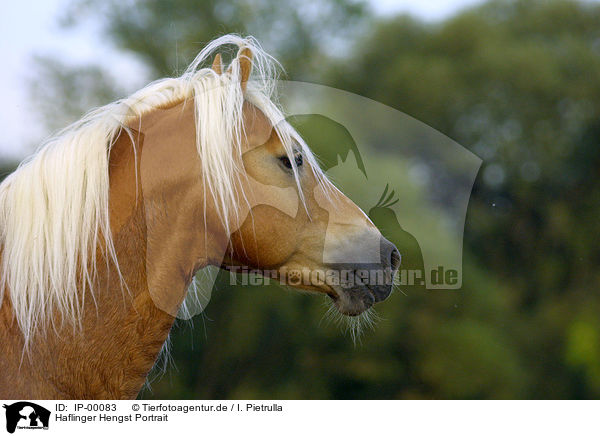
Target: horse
103 229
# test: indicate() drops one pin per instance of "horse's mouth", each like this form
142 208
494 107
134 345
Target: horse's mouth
350 302
353 302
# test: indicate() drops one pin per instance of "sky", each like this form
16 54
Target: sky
27 30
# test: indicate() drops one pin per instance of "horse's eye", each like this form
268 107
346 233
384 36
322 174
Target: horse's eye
286 162
298 160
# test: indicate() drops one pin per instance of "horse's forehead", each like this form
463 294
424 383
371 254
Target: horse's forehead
257 126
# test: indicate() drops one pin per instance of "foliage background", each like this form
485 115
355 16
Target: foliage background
517 83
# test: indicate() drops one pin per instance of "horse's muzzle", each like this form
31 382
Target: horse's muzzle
364 284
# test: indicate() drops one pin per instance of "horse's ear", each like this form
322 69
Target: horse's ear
217 65
244 57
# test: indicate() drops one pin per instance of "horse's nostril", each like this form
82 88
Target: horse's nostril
395 259
390 256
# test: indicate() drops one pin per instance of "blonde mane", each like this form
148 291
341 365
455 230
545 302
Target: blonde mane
54 209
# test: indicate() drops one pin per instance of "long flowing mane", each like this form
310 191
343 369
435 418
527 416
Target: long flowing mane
54 209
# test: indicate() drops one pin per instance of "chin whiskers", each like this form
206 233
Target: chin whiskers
354 326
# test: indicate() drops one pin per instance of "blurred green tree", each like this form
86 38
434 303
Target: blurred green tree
516 82
166 36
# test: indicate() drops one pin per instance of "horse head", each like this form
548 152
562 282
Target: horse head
271 204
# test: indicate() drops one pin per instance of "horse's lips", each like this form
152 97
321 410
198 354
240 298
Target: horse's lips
353 302
333 297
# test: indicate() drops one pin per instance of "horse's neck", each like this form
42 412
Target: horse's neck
123 330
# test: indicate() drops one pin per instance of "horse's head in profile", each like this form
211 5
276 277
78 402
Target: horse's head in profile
303 228
279 211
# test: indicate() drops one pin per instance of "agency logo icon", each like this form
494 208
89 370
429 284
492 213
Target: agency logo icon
26 415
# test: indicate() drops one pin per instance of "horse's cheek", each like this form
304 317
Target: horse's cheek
268 237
